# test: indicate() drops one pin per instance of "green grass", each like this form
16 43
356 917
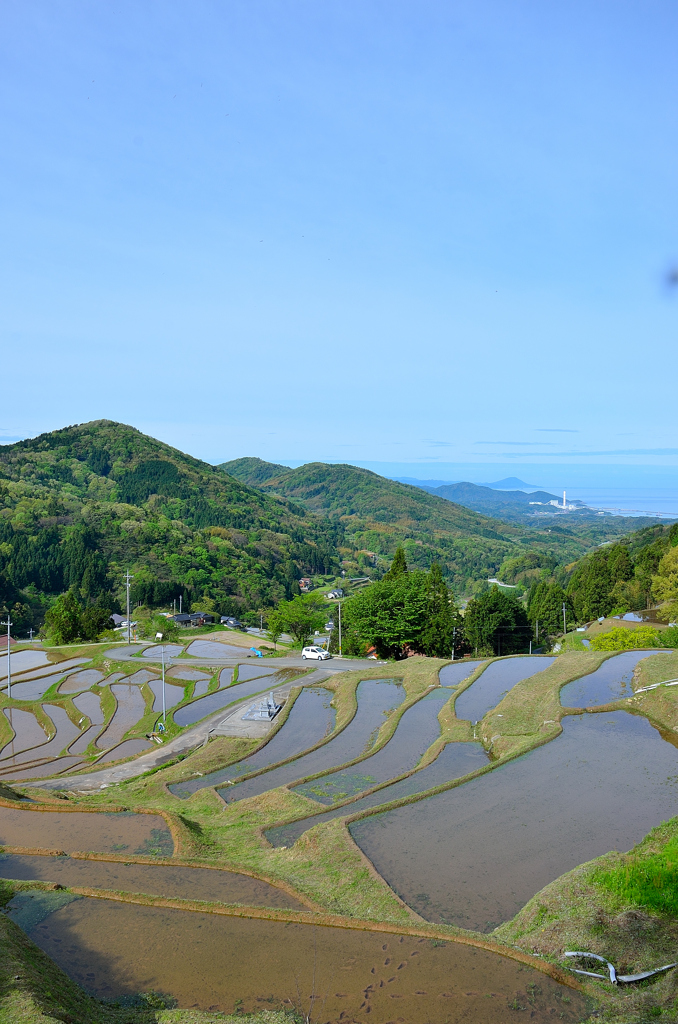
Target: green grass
649 881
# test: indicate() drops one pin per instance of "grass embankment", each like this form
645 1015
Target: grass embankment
530 713
659 706
623 907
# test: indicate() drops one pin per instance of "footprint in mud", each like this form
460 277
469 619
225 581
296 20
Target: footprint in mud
387 961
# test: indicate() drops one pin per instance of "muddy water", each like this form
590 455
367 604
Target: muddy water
455 760
142 834
417 730
495 682
225 963
130 709
222 698
494 842
609 682
452 675
161 880
28 733
310 719
376 697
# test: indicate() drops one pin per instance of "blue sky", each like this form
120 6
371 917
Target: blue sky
424 234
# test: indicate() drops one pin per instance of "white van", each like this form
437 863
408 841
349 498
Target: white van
319 653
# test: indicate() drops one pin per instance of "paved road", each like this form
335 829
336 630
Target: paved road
198 734
334 664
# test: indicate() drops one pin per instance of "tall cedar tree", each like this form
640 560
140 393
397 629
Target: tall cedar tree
398 565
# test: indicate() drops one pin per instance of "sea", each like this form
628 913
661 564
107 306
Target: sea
629 501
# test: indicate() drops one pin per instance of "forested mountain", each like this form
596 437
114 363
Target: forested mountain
630 575
377 514
81 506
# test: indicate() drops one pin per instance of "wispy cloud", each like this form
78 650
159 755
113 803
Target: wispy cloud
521 444
554 430
585 454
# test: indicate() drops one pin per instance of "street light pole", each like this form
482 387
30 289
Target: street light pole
129 626
9 657
340 629
164 709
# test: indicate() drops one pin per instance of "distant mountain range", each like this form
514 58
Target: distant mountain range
510 483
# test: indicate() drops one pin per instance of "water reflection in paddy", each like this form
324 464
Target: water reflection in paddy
210 962
154 880
311 718
452 675
494 842
417 730
130 708
609 682
455 760
81 831
495 682
376 697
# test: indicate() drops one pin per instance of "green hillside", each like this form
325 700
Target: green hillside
80 506
377 514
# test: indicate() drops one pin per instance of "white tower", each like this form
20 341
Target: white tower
564 499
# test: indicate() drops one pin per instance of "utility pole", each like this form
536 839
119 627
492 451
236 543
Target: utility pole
564 621
454 633
340 629
164 709
9 657
181 596
127 579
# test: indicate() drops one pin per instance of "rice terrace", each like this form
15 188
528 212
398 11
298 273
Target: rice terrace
201 820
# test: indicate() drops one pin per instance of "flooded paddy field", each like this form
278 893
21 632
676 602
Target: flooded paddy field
222 698
492 843
417 730
612 681
457 672
28 733
311 718
130 708
212 962
173 694
80 831
454 761
495 682
376 697
155 880
65 732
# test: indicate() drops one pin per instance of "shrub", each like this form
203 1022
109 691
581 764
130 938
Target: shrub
621 639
